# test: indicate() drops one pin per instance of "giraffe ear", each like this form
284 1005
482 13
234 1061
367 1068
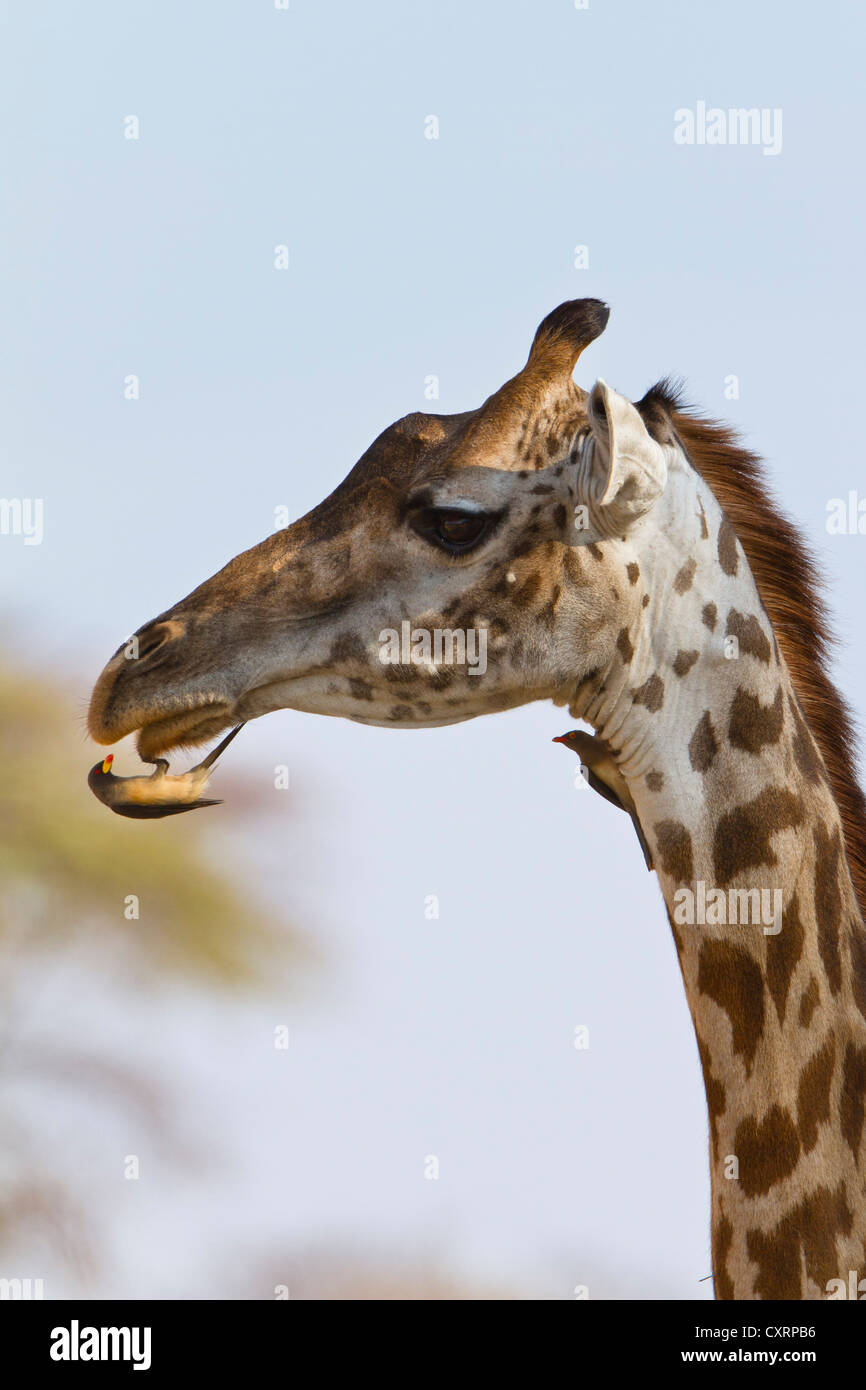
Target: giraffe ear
629 469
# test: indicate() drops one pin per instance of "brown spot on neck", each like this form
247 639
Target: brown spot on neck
703 745
813 1094
743 836
674 845
727 548
716 1097
812 1227
624 646
651 694
685 577
768 1150
731 977
723 1236
752 726
684 661
751 638
709 615
783 952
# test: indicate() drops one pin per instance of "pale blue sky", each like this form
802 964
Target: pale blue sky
259 388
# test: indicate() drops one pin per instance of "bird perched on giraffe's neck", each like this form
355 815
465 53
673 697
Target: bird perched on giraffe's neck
604 776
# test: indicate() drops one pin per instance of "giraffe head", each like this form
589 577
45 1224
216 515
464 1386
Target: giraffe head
457 570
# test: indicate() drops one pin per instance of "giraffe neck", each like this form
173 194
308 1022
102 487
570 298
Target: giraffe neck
733 796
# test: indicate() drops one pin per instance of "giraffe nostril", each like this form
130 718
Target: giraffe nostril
152 638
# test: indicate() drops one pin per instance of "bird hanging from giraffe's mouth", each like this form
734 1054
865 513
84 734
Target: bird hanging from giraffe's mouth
160 794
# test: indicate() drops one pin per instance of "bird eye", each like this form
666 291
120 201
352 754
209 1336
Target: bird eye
453 530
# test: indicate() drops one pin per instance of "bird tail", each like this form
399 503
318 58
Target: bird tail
220 748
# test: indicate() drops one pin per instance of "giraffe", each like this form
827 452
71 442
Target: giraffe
626 562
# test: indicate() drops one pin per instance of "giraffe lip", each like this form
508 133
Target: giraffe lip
183 728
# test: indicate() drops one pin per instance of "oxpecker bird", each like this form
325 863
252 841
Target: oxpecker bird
605 778
160 794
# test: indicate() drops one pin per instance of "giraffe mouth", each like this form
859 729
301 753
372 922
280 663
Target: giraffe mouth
184 729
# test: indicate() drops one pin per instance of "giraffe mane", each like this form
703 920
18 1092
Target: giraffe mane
791 589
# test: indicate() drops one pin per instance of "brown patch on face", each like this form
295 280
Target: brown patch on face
633 572
703 745
731 977
709 615
805 749
360 690
547 614
750 636
651 694
727 547
528 591
783 952
684 661
752 725
655 781
644 601
685 577
560 517
768 1152
809 1001
813 1094
742 837
852 1103
624 646
347 647
399 712
828 903
674 845
595 551
813 1227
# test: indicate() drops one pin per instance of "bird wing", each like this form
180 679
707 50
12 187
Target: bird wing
592 750
599 785
139 811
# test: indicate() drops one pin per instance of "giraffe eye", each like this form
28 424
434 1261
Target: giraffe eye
451 529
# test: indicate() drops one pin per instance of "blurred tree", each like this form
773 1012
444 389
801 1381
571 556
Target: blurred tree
69 871
68 865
